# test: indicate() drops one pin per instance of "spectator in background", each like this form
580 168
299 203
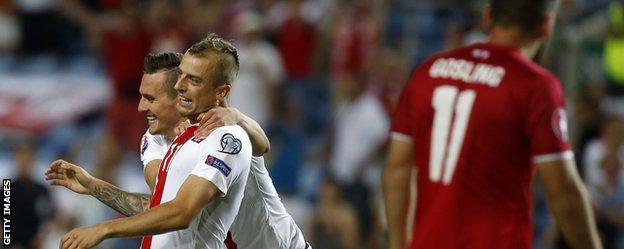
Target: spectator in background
611 140
296 40
604 176
355 36
288 146
608 201
168 27
9 28
121 31
388 72
360 131
335 223
32 206
261 70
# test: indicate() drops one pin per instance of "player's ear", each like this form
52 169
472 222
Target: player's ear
223 92
546 26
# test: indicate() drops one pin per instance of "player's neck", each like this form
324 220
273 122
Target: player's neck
515 38
170 135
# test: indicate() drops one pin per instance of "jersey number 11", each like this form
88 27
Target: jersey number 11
446 100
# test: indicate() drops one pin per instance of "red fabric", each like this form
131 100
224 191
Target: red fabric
124 51
295 41
162 174
354 39
487 203
125 123
229 242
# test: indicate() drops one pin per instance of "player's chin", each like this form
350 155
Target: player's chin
184 110
153 127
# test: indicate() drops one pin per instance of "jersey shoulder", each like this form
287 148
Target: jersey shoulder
228 139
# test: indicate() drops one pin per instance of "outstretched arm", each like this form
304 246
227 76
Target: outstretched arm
221 116
126 203
569 203
176 214
395 181
77 179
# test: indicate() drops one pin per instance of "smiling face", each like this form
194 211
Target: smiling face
160 109
197 92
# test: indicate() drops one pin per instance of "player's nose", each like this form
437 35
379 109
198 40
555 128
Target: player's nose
180 85
142 107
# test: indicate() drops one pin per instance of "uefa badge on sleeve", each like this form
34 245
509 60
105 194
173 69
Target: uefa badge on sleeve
230 144
559 124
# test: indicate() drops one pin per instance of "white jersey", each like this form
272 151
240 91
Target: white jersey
223 158
262 221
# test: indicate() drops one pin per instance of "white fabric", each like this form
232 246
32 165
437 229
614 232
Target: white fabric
361 127
401 137
250 93
592 157
209 229
538 159
262 220
153 147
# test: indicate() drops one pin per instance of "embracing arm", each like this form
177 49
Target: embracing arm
259 141
220 116
395 181
569 203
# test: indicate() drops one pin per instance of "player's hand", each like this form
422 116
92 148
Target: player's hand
215 118
182 127
82 238
73 177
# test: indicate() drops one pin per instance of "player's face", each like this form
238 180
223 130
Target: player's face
160 109
196 91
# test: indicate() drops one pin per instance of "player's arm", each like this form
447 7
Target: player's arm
569 203
396 186
77 179
151 172
174 215
221 116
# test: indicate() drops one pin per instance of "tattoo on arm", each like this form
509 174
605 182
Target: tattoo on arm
128 204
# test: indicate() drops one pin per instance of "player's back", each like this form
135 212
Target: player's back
262 221
473 114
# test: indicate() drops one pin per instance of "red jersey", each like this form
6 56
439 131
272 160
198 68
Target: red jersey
480 117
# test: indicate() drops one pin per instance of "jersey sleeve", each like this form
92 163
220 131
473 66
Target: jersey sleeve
401 125
153 147
225 155
547 125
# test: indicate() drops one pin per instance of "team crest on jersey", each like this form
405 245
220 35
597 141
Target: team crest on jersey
144 144
230 144
559 124
218 164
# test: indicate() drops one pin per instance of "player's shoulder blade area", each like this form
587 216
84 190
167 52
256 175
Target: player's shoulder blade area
477 64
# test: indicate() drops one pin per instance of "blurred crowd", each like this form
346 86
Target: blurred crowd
321 77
